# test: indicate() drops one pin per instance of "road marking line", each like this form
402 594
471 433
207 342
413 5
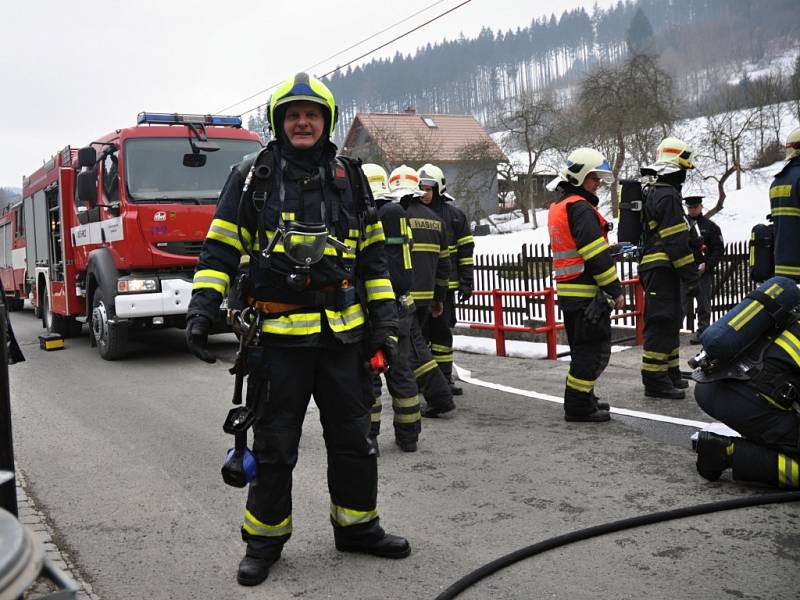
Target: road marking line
466 376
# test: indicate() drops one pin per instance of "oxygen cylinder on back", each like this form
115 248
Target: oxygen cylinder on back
631 206
761 310
762 252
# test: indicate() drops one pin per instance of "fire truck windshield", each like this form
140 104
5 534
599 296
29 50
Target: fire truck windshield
155 170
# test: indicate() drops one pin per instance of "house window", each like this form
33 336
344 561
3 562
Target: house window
429 122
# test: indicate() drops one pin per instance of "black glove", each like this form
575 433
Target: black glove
464 292
598 309
197 330
385 341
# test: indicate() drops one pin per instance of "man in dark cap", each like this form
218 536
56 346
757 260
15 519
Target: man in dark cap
709 248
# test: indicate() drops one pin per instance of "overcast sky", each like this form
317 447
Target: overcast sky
73 70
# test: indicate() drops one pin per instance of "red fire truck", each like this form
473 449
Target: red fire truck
109 235
12 255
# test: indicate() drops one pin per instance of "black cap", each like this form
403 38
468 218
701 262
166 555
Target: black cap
693 200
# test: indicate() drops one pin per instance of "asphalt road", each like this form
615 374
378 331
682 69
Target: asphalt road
124 458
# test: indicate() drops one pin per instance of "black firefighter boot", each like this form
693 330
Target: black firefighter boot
677 380
659 385
713 454
582 407
370 539
599 404
254 569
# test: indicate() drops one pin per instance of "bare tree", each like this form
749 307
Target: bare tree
532 123
477 180
632 101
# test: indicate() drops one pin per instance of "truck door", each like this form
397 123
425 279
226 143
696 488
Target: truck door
54 251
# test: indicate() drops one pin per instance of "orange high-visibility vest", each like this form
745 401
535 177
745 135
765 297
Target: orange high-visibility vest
567 263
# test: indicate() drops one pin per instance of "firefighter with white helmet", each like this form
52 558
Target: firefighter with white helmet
431 265
667 261
400 379
784 197
461 246
586 279
319 296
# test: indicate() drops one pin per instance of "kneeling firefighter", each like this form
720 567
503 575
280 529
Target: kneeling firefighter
317 282
749 378
586 279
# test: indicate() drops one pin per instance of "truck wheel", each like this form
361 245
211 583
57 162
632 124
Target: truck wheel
16 304
63 326
111 338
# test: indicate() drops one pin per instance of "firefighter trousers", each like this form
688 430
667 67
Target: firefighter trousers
401 383
440 334
662 326
590 350
701 296
283 379
769 451
431 381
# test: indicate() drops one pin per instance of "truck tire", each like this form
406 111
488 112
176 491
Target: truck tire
111 338
16 304
63 326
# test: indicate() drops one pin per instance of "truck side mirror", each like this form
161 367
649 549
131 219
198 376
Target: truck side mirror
87 187
87 157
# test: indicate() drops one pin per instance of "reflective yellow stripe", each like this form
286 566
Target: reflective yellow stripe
344 320
668 231
652 223
287 216
226 232
209 278
344 517
683 261
421 295
790 345
654 368
594 248
372 234
404 232
422 369
747 313
441 348
786 270
466 261
444 253
780 191
296 324
407 419
576 290
656 355
786 211
581 385
788 472
606 277
419 247
467 239
379 289
648 258
406 402
255 527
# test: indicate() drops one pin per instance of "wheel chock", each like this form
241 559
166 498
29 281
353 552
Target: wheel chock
51 341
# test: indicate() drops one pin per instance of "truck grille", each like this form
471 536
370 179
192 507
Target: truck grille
190 248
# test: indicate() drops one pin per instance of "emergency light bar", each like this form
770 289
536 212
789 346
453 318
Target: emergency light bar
176 118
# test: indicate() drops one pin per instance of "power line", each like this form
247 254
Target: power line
410 31
340 52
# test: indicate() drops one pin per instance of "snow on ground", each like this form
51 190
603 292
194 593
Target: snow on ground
514 348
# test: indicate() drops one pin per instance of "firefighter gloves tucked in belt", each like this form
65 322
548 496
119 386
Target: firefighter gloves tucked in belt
197 330
598 309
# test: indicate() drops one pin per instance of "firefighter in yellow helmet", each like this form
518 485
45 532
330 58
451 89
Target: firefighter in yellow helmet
667 260
586 279
784 198
320 302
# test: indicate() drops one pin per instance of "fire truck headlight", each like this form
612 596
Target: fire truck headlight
137 285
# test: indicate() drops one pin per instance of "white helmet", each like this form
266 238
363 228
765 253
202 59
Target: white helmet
404 181
793 144
431 175
579 164
377 179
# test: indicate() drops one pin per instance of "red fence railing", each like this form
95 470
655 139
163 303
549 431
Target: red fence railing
551 326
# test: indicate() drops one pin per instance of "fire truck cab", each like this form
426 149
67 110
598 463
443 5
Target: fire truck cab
114 229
